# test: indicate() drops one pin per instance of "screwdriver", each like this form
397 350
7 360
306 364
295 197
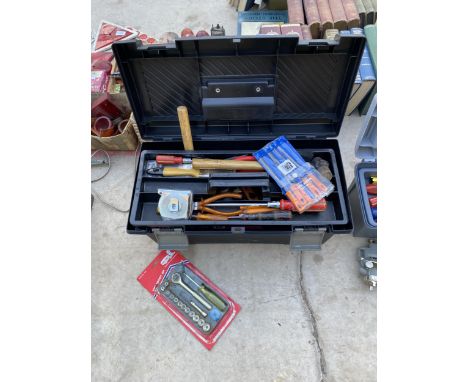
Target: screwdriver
210 295
284 205
275 215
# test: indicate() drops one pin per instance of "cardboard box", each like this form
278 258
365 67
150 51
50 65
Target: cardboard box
127 140
137 130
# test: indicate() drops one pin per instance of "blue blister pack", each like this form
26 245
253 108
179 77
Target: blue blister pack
302 184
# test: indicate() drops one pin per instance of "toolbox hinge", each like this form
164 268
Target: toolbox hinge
171 238
305 239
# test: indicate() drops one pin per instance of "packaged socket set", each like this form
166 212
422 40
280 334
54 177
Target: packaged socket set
186 293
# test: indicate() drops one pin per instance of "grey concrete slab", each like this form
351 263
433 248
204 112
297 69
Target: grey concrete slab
159 16
274 337
345 310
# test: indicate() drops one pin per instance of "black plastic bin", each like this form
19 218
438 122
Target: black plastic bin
241 93
365 225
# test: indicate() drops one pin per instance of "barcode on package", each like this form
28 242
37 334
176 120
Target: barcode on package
286 167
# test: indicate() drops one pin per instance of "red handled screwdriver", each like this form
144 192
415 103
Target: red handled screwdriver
284 205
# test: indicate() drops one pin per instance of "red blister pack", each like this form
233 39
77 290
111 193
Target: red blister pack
199 305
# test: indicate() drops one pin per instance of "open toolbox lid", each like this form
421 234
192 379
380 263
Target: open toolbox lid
238 88
366 143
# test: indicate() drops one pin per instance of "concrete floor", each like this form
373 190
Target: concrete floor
154 17
284 309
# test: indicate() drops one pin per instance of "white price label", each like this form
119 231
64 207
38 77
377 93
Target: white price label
286 167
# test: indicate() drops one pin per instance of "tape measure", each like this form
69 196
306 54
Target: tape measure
175 204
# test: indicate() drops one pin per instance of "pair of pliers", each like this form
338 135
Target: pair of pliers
202 207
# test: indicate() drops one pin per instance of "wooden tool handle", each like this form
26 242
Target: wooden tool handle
184 122
175 171
226 164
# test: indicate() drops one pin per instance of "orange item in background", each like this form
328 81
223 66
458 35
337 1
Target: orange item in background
103 127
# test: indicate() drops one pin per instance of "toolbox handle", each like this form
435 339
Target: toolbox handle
242 99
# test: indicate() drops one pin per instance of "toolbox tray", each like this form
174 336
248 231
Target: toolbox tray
241 93
144 206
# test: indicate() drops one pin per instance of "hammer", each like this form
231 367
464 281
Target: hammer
185 130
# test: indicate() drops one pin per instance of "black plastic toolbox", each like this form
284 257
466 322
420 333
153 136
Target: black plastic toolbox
365 224
241 93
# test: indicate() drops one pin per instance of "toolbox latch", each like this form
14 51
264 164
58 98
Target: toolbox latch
171 238
306 240
238 229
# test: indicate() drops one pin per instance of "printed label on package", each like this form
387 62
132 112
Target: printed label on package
286 167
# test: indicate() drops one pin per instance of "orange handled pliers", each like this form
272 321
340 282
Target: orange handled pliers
211 212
